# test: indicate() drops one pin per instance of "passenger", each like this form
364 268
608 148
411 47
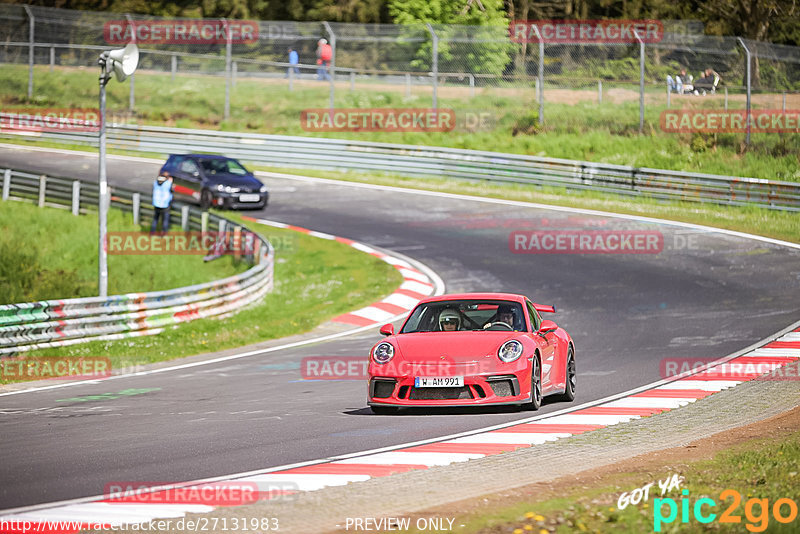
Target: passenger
449 320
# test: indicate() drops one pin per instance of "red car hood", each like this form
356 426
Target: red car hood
455 346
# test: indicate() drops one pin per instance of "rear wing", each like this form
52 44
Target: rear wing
544 308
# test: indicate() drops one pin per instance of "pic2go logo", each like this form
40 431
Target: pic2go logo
758 521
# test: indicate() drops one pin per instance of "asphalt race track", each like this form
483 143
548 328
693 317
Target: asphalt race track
705 295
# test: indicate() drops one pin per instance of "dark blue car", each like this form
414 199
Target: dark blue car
215 181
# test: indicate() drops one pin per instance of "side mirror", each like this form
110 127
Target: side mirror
387 329
546 327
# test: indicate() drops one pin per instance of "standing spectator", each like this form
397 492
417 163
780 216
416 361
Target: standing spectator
162 200
324 56
294 59
681 83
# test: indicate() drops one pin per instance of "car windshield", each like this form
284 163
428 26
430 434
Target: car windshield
222 166
465 315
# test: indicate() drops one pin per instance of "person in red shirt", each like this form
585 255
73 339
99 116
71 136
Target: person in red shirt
324 56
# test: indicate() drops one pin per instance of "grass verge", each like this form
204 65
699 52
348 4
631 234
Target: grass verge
315 280
761 471
499 119
51 254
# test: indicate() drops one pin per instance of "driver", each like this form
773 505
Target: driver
449 320
505 314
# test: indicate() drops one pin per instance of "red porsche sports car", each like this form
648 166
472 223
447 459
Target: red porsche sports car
472 349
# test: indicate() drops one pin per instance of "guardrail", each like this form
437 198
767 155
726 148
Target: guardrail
411 160
51 323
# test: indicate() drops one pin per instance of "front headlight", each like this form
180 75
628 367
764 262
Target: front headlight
229 189
220 187
263 189
510 351
383 353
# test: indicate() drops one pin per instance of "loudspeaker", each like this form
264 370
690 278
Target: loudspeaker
123 61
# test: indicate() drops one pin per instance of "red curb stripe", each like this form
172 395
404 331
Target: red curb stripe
469 448
349 318
611 410
373 470
391 308
412 294
344 240
783 345
724 375
545 428
298 229
675 393
762 360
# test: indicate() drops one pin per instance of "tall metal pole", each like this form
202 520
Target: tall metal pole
434 65
102 259
132 93
747 52
31 29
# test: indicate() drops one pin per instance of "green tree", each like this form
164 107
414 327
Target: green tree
477 41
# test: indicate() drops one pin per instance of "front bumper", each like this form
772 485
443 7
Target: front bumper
233 201
478 390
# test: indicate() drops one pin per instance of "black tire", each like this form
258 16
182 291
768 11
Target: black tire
536 384
571 379
384 410
206 198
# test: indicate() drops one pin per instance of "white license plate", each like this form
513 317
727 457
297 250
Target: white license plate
249 198
438 381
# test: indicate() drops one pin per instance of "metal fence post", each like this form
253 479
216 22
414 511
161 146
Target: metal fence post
747 53
136 199
76 197
174 65
599 91
434 64
31 30
6 183
204 222
669 97
228 46
42 189
221 226
234 72
471 85
185 218
332 75
291 78
641 81
539 82
352 80
726 99
52 57
408 85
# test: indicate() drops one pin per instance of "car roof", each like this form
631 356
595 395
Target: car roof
475 296
204 156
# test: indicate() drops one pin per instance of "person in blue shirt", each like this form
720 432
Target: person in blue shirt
294 59
162 200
